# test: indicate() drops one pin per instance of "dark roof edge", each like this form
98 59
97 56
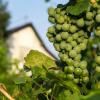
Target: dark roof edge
9 32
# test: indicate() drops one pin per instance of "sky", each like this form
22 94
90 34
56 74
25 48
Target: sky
35 12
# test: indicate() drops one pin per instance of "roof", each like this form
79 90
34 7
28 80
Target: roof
12 31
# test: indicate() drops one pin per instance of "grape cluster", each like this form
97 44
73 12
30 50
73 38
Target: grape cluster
69 39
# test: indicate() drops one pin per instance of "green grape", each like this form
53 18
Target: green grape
82 46
78 71
98 27
51 29
57 16
89 15
64 57
69 61
51 39
57 47
76 80
65 27
58 38
85 79
77 49
58 27
97 59
69 39
58 10
75 36
64 35
83 64
51 19
98 18
98 11
73 43
73 28
70 69
49 35
62 13
70 76
85 72
60 19
65 69
81 33
78 57
89 23
76 64
51 11
68 47
97 69
79 40
63 45
72 53
97 32
80 22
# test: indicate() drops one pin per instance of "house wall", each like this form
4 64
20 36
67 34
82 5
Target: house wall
22 41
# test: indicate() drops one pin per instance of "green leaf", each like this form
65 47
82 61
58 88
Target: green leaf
38 71
38 59
94 95
19 80
78 8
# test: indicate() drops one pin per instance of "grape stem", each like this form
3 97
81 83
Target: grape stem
4 92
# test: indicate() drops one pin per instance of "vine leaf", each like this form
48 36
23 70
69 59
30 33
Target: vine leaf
38 59
78 7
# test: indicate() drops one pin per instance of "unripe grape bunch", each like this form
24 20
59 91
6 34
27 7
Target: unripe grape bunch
70 36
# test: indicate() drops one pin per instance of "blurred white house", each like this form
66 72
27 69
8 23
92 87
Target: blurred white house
22 39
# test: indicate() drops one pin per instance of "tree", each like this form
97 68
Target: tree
4 18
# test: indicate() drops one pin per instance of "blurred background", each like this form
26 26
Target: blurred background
23 27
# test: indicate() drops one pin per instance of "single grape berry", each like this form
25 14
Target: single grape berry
73 43
97 32
70 69
97 59
58 10
68 47
51 19
70 76
64 57
98 18
58 38
89 15
60 19
76 80
63 45
76 64
69 62
73 28
65 27
97 69
58 27
64 35
65 69
51 39
77 49
78 57
51 11
51 29
72 53
82 46
83 64
85 79
49 35
69 39
75 36
85 72
57 47
80 22
78 71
